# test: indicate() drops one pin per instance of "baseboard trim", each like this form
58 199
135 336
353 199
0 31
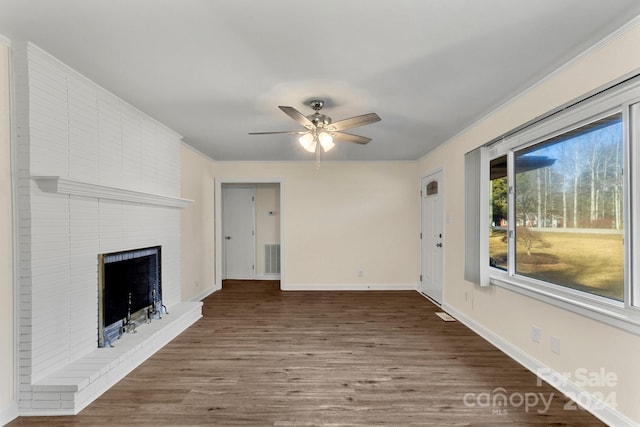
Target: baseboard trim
204 294
9 413
348 287
268 277
604 413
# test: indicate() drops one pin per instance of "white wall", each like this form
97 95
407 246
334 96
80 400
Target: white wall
585 343
8 408
70 127
342 219
267 226
198 248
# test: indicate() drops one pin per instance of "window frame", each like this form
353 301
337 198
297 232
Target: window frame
624 98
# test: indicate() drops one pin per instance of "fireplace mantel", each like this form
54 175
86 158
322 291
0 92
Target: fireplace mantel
60 185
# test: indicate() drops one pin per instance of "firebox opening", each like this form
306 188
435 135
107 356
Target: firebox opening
130 292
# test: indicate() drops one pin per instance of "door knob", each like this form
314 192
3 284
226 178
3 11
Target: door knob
439 245
227 237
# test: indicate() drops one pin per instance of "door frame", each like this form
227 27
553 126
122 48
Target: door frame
218 222
444 220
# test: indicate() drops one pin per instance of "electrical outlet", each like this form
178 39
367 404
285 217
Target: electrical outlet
536 333
361 273
555 345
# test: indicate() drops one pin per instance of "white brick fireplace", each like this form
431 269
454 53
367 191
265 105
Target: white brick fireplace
95 176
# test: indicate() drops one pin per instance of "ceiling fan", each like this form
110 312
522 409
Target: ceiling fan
320 131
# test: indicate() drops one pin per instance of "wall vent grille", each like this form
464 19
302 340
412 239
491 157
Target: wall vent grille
272 258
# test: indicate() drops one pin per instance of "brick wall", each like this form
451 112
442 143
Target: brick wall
68 126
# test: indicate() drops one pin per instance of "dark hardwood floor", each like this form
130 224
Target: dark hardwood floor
262 357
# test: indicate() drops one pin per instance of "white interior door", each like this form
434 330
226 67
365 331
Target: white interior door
432 237
238 231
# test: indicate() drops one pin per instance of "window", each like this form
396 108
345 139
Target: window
568 209
432 188
498 204
560 206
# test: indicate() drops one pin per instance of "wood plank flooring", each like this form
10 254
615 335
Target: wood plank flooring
262 357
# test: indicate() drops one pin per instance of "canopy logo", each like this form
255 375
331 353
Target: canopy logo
500 401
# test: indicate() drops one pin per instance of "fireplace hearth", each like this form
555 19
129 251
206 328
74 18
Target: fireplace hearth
130 292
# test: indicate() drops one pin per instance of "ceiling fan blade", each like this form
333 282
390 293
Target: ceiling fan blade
348 137
354 122
290 132
297 116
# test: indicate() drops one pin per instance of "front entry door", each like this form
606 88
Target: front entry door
238 232
432 237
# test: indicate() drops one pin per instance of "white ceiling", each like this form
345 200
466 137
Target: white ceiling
214 70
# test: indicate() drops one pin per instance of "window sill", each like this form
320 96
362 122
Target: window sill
610 312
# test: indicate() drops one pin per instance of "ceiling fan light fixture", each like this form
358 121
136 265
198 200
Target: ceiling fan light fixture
308 142
326 140
320 130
